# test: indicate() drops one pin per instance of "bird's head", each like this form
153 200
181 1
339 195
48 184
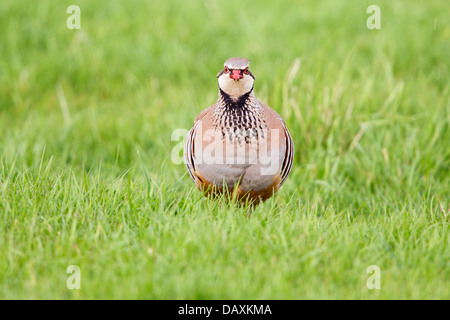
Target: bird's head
235 79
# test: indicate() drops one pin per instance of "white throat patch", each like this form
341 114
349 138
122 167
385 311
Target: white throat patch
235 88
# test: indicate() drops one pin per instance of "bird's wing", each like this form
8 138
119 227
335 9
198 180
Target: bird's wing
286 143
288 155
189 148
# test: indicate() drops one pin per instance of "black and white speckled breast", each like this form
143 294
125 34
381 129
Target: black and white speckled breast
239 120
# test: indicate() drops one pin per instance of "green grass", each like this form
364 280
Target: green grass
86 176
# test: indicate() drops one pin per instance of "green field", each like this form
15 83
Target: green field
87 177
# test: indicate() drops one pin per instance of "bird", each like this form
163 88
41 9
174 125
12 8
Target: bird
238 146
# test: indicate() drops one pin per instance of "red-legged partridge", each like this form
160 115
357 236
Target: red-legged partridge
239 144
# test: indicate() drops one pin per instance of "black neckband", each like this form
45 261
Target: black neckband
238 103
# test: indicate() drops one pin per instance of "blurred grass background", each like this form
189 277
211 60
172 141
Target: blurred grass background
86 177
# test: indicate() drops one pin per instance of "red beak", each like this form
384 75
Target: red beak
236 74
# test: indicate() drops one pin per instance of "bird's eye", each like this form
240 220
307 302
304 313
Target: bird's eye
246 71
226 69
